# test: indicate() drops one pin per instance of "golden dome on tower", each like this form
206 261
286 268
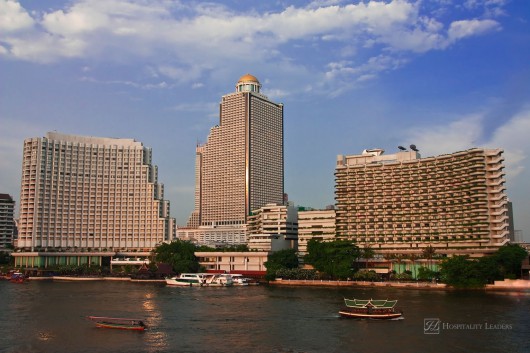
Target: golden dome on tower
248 78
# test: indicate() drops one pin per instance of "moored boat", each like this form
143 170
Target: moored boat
17 277
370 309
187 280
218 280
118 323
200 280
239 280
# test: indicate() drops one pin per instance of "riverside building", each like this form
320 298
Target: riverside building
314 224
240 168
273 227
7 220
85 199
402 203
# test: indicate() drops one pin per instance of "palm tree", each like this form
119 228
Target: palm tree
413 258
399 258
368 254
428 253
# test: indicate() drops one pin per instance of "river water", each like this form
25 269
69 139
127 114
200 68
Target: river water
46 316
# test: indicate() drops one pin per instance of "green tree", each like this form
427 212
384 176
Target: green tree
461 272
489 269
425 274
179 254
282 259
5 257
334 258
509 258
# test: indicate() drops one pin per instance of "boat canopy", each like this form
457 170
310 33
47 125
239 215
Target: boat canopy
370 303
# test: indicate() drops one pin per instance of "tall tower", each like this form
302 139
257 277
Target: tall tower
241 165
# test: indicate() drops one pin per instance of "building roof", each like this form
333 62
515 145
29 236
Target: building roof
248 78
6 197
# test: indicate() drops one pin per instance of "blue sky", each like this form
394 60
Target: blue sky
445 75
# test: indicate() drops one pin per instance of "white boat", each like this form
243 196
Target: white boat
239 280
187 280
200 280
218 280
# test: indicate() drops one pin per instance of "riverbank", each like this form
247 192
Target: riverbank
506 285
88 279
330 283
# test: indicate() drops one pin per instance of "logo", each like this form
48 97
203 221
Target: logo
431 326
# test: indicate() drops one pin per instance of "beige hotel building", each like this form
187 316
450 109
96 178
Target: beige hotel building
84 199
402 203
240 168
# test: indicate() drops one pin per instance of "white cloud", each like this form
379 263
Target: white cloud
513 138
458 135
467 28
13 17
344 74
182 41
467 132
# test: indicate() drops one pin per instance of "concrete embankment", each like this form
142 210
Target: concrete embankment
510 285
362 284
88 279
518 285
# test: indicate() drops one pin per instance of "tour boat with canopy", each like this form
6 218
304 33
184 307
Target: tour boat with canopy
370 309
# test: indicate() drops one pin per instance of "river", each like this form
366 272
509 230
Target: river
48 316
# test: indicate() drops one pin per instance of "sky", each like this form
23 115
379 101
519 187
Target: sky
445 75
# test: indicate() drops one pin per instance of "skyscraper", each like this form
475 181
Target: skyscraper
240 168
88 193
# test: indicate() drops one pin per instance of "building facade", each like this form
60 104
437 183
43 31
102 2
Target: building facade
402 203
90 194
7 221
240 168
215 236
250 263
273 227
314 224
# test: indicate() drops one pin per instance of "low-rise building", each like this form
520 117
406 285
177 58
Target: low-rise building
250 263
314 224
215 235
273 227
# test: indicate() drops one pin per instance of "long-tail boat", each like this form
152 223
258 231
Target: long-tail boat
370 309
118 323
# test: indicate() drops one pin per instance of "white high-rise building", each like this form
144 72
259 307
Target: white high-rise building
88 193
